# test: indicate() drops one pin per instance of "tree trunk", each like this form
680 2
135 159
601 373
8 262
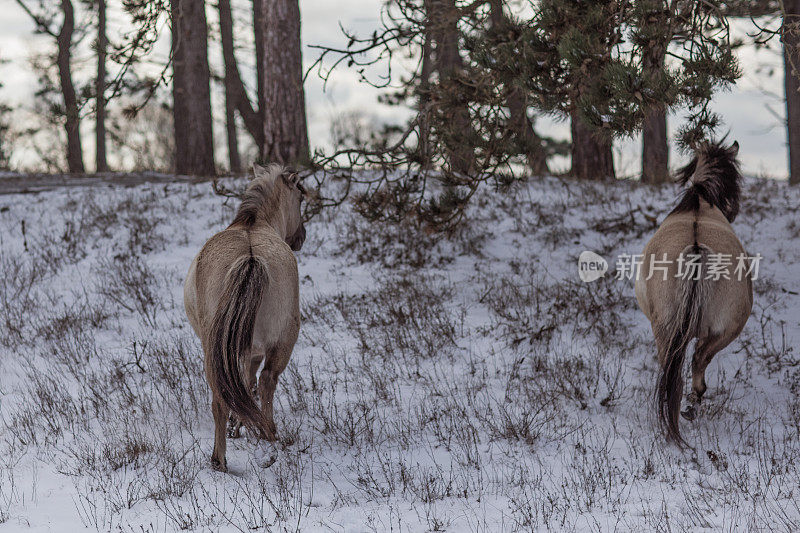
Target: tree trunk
285 131
234 87
258 35
655 151
234 162
423 105
791 60
194 142
520 124
73 121
591 158
458 139
101 165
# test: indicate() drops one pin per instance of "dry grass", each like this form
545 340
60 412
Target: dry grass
460 383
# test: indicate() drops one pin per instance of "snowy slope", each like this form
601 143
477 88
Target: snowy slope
471 383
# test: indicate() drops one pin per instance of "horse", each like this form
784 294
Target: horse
708 306
242 300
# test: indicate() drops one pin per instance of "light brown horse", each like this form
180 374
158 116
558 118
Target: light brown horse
241 297
685 297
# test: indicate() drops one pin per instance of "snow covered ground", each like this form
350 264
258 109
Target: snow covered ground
469 383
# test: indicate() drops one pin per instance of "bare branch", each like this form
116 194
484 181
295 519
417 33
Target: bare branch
42 24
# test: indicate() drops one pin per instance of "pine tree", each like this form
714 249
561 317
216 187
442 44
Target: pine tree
69 110
788 13
194 142
593 62
569 45
285 129
467 129
5 136
654 35
519 122
5 132
101 45
589 62
235 92
790 36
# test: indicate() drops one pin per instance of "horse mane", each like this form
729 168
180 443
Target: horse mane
261 197
715 177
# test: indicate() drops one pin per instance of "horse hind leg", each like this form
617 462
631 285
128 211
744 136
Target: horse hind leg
220 412
276 360
704 352
267 382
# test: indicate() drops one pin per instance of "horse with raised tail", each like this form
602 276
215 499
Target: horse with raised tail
705 304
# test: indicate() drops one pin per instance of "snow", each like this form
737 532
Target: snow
467 383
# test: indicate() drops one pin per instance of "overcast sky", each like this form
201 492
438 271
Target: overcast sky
748 110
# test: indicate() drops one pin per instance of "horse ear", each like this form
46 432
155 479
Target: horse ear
291 178
735 148
266 174
259 171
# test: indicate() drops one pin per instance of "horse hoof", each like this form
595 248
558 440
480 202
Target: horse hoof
690 413
219 466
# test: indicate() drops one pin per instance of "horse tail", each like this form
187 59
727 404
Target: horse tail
675 336
231 337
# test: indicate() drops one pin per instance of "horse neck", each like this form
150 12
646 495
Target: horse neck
719 194
708 211
276 220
